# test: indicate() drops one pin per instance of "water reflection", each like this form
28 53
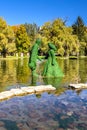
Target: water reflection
53 81
65 109
17 73
3 66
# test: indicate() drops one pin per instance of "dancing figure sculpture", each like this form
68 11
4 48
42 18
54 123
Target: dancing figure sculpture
34 56
51 68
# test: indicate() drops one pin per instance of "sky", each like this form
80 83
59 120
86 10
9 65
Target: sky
16 12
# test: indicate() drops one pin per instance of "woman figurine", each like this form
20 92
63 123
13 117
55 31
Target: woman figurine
52 68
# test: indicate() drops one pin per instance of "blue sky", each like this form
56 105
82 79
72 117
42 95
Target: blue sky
40 11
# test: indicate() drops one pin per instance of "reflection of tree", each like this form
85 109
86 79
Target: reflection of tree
22 71
71 70
83 69
7 73
14 71
3 66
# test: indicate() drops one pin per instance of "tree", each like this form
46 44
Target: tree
6 37
85 39
79 28
3 44
22 40
61 36
45 30
3 25
32 30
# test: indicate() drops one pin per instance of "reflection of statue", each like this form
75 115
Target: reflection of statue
34 56
34 81
54 81
52 68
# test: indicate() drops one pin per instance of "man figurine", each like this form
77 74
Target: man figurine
34 56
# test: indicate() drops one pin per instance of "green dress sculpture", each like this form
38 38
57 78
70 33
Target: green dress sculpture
52 68
34 56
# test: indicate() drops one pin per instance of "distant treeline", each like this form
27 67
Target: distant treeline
69 40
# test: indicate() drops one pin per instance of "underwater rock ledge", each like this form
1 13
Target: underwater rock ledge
25 90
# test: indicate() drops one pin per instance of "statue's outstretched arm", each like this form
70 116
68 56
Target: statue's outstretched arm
38 57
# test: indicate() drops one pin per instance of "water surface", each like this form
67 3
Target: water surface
14 73
64 109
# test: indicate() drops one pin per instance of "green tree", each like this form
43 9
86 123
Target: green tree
32 30
79 28
85 39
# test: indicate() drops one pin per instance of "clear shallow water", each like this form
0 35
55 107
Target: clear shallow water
65 109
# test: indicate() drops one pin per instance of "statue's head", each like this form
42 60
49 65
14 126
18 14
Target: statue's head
38 41
52 46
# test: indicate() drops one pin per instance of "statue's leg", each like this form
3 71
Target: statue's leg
34 73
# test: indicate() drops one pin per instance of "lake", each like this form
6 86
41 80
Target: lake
64 109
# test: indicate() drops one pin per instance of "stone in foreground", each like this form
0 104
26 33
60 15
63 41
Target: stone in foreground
78 86
25 90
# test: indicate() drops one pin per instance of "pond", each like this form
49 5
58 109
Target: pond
64 109
16 73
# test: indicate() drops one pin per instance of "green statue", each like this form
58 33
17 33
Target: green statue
52 68
34 56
